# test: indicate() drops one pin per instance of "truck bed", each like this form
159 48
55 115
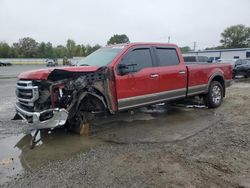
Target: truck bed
200 75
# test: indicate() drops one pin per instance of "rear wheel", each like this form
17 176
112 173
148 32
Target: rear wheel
214 97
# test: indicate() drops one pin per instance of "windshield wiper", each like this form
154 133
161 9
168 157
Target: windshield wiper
84 65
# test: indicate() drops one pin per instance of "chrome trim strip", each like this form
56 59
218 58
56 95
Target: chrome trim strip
148 99
27 83
194 90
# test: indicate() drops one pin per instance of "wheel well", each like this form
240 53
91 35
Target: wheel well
222 82
92 103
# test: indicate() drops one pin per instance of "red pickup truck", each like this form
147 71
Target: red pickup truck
113 79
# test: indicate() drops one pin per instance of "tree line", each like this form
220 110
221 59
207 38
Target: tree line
29 48
236 36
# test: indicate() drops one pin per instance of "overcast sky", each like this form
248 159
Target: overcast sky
95 21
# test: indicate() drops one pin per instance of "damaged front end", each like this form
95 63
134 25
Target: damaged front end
58 117
65 97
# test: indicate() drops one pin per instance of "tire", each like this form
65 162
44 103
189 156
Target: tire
214 97
247 74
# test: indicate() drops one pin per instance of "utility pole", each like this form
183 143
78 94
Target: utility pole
194 45
168 39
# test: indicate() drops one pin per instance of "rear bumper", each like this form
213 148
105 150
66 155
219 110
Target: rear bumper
58 118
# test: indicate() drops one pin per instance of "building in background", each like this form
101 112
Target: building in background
235 53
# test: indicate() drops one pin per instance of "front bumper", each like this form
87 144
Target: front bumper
59 118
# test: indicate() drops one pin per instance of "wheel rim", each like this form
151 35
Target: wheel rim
216 94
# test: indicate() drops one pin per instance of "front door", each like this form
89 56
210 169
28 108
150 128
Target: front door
135 87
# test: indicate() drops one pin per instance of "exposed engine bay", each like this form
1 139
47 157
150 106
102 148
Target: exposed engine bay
71 97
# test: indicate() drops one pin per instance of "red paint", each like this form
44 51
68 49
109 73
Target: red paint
140 83
201 74
42 74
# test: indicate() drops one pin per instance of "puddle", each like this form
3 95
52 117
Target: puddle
158 124
9 151
172 125
16 155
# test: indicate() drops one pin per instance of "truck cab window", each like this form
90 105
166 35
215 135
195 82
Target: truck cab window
167 56
203 59
189 59
138 59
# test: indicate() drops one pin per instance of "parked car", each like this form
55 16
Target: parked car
5 63
242 67
74 62
51 63
231 61
114 79
196 59
214 59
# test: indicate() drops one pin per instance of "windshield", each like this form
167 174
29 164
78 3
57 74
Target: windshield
101 57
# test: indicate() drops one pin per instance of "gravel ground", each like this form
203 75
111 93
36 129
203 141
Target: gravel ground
217 156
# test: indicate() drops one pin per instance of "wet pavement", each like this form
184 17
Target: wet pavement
159 124
172 125
14 70
146 125
16 155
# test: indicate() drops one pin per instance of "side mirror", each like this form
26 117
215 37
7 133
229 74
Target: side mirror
125 69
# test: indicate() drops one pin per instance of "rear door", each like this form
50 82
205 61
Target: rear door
136 87
172 74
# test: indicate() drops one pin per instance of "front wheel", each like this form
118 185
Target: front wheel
214 97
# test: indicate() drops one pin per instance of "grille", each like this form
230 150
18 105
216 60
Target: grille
26 93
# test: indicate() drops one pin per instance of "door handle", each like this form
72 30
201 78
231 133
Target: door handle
154 75
182 72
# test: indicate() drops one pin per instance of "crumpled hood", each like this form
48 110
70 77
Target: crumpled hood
43 74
